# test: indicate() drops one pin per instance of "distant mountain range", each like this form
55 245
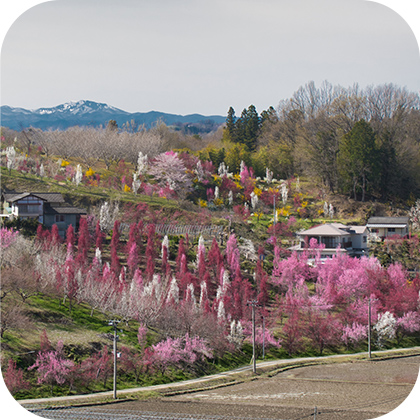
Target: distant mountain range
94 114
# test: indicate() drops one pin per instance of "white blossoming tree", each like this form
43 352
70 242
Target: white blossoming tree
331 211
254 200
236 335
325 209
136 183
165 243
216 192
230 197
169 171
385 327
199 171
414 215
284 192
223 169
107 216
268 176
142 164
173 293
11 158
78 176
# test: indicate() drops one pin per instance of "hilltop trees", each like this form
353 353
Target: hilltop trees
382 117
358 159
244 129
363 142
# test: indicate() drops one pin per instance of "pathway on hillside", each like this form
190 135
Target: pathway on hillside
231 373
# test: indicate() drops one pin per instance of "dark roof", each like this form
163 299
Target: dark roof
49 209
51 197
48 197
12 197
388 221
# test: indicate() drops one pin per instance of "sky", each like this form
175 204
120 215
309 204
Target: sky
200 56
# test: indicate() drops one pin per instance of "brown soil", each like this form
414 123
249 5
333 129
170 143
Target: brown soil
349 391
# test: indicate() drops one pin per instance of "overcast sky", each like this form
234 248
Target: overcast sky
192 56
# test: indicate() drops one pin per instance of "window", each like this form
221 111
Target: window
31 205
25 208
329 242
59 218
364 239
391 230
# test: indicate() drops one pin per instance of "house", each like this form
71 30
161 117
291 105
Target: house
47 208
337 238
384 227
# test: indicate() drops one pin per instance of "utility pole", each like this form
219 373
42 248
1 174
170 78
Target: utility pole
274 210
114 323
369 328
263 323
253 304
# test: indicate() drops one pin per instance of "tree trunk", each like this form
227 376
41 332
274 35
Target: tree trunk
363 187
354 188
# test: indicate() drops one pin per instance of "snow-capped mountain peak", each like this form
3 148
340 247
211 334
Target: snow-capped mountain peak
78 108
96 114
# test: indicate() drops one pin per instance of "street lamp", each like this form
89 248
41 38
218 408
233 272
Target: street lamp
114 323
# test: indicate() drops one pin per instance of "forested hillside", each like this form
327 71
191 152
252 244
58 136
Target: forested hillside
357 142
183 232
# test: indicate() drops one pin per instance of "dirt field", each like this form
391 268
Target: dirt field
348 391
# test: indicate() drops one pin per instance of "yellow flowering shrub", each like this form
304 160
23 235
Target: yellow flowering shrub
64 163
127 188
284 211
218 202
89 172
257 191
202 203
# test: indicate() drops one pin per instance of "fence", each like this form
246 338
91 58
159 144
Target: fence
191 230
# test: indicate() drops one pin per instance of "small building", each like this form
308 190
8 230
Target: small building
47 208
385 227
336 237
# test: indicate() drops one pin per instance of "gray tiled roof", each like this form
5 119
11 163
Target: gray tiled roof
388 221
49 197
63 210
